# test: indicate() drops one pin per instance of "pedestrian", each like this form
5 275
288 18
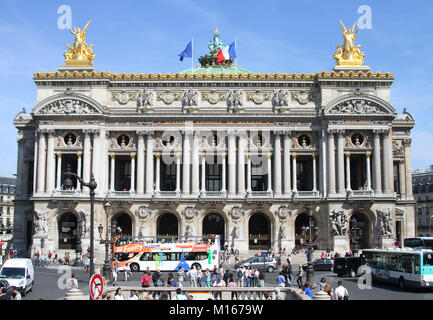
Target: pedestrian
299 276
127 271
219 283
261 278
87 264
289 261
267 295
119 295
192 274
248 276
146 279
156 276
232 284
322 284
240 275
132 295
207 277
227 275
199 275
164 296
72 283
306 289
340 293
56 259
328 290
180 277
179 295
215 275
16 295
115 270
281 281
289 276
170 280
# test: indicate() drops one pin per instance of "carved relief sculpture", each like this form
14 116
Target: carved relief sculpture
235 100
339 223
144 100
385 221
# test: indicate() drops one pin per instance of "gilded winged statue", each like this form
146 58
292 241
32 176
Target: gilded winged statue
79 50
349 54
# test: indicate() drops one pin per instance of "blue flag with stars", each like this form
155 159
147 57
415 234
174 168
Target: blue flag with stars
187 52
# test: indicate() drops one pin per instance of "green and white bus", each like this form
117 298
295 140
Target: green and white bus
405 267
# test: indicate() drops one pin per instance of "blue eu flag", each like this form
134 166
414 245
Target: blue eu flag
187 52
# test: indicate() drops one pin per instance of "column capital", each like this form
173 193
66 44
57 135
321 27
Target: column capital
223 155
269 155
287 133
347 154
381 131
314 156
368 154
132 156
278 132
59 155
79 154
87 132
112 156
203 155
141 133
331 132
294 155
407 142
249 156
157 155
96 132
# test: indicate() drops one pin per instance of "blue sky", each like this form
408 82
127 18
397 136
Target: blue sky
272 36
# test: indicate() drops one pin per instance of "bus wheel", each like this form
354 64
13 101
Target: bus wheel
195 265
134 267
401 283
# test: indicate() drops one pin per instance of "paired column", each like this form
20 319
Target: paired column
277 164
388 183
42 153
140 163
377 171
241 163
249 189
59 171
323 163
50 162
340 162
223 178
95 158
331 162
132 188
348 187
294 174
286 163
178 173
408 168
314 173
86 158
149 163
232 163
79 156
158 173
269 173
112 170
203 173
368 166
195 164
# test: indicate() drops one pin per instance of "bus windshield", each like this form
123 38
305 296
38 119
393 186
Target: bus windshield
428 259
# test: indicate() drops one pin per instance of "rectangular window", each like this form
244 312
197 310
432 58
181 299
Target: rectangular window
259 181
213 177
396 170
168 176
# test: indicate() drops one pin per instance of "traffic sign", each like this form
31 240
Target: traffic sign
2 243
96 286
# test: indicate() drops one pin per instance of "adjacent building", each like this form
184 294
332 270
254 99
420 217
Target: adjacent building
216 149
7 197
422 181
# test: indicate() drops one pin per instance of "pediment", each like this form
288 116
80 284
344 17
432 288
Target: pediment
359 105
64 105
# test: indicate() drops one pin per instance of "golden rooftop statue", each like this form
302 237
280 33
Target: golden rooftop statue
79 54
349 55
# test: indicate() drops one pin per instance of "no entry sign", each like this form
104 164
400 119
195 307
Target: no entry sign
96 287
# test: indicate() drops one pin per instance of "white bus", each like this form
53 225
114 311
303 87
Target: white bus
419 243
405 267
165 253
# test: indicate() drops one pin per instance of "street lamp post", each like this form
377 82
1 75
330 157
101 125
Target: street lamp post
354 230
92 186
310 269
107 241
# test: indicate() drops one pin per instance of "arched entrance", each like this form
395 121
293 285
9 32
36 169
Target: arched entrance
123 224
302 230
67 231
259 232
214 224
167 225
359 231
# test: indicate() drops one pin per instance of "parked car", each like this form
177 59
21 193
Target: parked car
5 290
261 263
320 265
348 266
19 273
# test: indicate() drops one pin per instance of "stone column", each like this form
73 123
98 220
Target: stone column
367 157
241 163
277 164
86 158
402 179
340 162
112 170
203 173
232 164
223 178
269 173
132 188
323 163
249 190
36 161
388 182
377 171
186 161
348 187
158 173
286 163
149 163
42 153
331 163
408 168
178 173
79 156
59 171
195 165
50 162
295 182
95 159
140 163
314 173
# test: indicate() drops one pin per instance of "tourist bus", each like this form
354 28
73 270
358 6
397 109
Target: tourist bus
419 243
165 253
406 267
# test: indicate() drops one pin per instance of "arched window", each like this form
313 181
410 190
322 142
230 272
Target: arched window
67 231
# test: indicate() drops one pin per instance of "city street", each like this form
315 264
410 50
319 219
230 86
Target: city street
46 287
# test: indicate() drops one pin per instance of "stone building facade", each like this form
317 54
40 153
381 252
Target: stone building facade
422 181
257 158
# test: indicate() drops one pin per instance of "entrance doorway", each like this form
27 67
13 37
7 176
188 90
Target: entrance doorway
167 225
259 235
214 224
123 224
359 231
67 231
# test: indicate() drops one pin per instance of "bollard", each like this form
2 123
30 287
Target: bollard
75 294
321 295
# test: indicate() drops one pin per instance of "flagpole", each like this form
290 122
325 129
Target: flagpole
236 44
192 54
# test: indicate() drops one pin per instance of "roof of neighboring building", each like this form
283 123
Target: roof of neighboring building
8 180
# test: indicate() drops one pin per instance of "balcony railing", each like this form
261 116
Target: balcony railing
66 193
214 194
259 194
306 194
360 193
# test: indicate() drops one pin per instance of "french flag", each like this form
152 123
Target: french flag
228 52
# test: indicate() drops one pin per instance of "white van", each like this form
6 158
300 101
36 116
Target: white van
19 273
